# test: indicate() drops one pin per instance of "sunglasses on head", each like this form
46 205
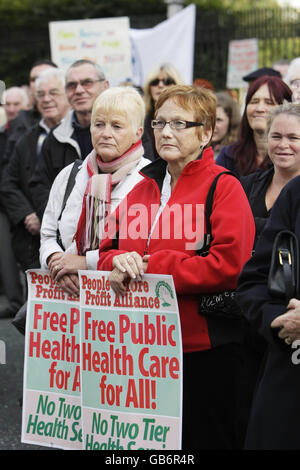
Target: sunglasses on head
166 81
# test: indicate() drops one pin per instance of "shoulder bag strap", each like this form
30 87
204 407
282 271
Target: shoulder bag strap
69 187
208 210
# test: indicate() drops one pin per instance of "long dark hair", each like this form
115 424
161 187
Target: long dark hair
244 149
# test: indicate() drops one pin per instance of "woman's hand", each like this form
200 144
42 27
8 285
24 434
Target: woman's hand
126 266
61 264
130 263
289 322
53 262
117 281
70 284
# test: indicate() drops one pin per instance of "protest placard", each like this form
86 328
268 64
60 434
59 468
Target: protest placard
51 394
242 59
105 373
131 369
104 41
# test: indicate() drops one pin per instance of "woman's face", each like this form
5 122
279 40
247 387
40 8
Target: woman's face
284 142
159 84
222 125
295 86
258 107
178 146
112 134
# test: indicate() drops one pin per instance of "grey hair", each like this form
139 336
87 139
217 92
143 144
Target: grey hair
20 90
294 66
98 69
290 109
48 74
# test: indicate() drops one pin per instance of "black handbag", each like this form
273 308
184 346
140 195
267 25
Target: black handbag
217 304
19 320
283 279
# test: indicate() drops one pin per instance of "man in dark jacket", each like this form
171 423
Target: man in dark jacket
15 193
71 140
15 99
29 117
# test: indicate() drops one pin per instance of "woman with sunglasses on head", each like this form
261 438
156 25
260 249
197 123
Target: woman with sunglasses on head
249 152
160 78
180 180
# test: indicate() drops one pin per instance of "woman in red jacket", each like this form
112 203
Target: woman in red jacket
158 229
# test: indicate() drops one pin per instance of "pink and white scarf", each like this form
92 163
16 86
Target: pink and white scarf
97 197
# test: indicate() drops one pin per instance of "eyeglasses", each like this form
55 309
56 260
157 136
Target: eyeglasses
51 93
176 124
86 83
166 81
295 84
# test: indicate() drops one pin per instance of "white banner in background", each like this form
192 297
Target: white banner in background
125 53
170 41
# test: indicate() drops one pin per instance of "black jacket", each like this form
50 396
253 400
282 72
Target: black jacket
59 150
3 140
16 197
276 407
17 127
255 186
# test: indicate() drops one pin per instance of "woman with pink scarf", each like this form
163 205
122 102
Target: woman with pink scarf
107 174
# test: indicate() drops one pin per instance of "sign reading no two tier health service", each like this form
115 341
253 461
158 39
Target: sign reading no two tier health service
105 372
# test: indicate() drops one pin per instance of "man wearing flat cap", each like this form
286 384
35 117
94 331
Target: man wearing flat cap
260 72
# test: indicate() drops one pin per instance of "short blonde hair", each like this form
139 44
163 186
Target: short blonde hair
124 100
201 101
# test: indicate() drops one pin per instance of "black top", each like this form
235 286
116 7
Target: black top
255 186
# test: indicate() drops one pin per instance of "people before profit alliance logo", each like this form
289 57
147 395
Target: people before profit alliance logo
179 222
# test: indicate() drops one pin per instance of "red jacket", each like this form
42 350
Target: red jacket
171 248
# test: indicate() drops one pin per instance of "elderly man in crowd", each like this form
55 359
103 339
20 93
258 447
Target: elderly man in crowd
27 117
14 100
15 194
71 140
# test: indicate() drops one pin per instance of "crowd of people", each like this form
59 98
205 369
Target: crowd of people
75 151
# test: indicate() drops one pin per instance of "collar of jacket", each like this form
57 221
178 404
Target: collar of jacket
263 174
157 169
64 131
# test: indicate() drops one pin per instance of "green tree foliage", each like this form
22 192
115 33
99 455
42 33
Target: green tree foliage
234 5
81 9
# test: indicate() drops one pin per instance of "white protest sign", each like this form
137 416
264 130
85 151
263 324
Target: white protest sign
242 59
106 372
103 41
131 369
51 392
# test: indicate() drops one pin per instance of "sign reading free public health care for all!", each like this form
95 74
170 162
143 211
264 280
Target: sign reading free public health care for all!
106 372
